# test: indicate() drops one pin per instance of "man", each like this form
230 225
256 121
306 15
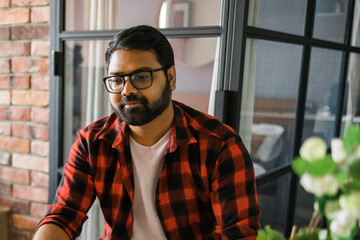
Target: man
160 169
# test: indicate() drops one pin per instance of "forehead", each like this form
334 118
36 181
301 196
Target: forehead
129 60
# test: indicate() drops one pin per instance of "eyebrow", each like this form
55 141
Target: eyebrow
135 71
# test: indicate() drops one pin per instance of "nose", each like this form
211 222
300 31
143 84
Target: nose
128 87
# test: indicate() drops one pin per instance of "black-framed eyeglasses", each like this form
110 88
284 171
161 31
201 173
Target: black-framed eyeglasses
140 79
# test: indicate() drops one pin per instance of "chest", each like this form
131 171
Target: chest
182 174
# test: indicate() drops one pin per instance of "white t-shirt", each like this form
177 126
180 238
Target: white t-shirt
147 162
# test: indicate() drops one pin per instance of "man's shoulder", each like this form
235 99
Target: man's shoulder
101 123
104 128
206 124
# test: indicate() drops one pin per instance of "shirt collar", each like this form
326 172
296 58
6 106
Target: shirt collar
180 133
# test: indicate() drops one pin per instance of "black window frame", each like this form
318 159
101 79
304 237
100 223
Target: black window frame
308 42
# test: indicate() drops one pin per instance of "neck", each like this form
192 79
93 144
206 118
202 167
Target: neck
150 133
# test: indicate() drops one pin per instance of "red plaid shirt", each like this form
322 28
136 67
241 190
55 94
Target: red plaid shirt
206 189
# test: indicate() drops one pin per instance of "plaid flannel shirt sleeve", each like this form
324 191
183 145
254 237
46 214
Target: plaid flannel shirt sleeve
233 196
75 193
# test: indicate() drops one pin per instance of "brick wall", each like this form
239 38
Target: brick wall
24 112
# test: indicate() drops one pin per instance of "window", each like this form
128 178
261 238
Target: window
299 80
81 31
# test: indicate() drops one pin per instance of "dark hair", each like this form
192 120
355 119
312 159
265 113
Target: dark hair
142 37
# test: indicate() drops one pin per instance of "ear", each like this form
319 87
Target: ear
171 72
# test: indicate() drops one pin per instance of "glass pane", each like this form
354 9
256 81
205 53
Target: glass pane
195 70
330 20
271 80
120 14
85 97
352 100
356 23
273 201
304 208
279 15
322 93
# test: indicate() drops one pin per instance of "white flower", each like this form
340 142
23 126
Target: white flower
351 203
312 149
331 208
338 152
343 223
319 185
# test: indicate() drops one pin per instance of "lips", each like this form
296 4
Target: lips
131 104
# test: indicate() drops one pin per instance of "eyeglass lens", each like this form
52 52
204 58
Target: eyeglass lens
139 80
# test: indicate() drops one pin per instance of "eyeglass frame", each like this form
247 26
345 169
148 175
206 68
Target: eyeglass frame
151 71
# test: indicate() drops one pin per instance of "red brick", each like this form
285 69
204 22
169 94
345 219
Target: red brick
22 3
21 130
32 98
5 128
39 179
4 66
4 3
16 15
40 115
38 210
14 175
24 222
30 162
14 145
19 234
19 113
40 14
5 158
5 188
40 148
40 132
21 65
4 113
40 48
16 205
30 193
4 32
40 82
20 82
4 97
4 82
42 66
9 49
30 32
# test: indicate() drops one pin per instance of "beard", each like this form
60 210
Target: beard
145 113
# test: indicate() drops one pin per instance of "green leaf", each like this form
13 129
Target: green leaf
300 166
273 234
351 137
261 235
342 177
322 167
269 234
354 170
320 202
352 158
303 235
351 185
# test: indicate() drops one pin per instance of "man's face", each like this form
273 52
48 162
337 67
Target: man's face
138 107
